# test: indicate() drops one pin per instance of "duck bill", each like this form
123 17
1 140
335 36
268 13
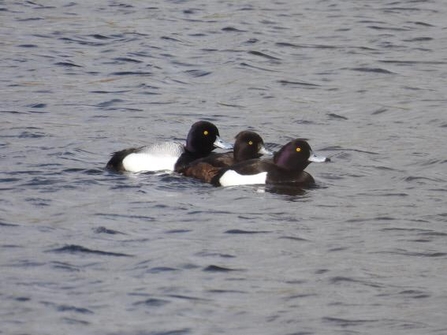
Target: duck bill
219 143
264 151
318 159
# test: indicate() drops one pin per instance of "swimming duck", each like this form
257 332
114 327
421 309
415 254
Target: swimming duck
286 167
247 145
202 139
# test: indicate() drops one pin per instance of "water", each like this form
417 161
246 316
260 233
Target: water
84 251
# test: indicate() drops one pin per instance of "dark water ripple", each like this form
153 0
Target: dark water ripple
74 249
67 308
215 268
152 302
240 231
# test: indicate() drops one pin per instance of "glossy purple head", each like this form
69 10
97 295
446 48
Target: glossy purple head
296 156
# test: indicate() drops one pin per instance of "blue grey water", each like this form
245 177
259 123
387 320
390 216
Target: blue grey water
85 251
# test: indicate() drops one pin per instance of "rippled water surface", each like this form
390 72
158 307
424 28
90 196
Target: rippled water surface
84 251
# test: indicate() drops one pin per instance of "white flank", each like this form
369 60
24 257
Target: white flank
232 178
141 162
156 157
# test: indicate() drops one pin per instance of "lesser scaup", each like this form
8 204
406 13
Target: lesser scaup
202 138
286 167
247 145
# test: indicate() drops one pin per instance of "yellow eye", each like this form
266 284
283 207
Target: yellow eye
298 149
250 142
205 132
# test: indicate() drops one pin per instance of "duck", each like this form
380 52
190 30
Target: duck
247 145
203 137
286 168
